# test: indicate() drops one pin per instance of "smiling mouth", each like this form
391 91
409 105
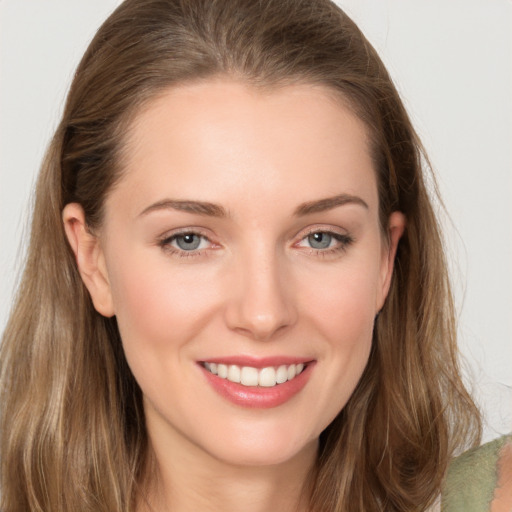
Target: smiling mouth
267 377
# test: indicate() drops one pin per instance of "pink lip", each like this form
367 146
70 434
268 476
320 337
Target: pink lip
258 362
254 396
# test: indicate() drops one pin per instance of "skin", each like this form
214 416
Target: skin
255 287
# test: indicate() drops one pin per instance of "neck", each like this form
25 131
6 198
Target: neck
190 480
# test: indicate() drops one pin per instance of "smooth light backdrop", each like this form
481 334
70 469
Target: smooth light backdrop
452 63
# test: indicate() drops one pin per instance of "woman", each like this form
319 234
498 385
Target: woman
235 290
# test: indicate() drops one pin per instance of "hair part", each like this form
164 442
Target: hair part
72 425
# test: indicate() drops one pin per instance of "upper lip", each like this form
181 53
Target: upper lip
257 362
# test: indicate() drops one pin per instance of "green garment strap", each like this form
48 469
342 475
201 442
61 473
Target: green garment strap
472 478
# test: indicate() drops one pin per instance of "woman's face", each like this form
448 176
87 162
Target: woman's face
244 239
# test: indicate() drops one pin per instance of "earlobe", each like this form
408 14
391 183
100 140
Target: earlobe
396 227
89 258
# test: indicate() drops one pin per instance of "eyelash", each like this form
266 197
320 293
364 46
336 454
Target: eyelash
344 241
165 244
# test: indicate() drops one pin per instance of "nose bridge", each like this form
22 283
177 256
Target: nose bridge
261 304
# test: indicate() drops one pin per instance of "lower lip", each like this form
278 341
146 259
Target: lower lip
256 396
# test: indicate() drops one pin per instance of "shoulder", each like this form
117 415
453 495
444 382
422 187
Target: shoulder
474 476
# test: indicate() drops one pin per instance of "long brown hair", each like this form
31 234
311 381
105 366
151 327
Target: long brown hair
72 423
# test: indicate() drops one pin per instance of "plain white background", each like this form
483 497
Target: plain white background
452 63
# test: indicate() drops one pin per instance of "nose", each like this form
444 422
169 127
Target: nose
261 299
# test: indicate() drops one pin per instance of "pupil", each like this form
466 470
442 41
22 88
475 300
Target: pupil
320 240
188 241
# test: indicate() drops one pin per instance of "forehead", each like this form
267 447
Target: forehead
226 138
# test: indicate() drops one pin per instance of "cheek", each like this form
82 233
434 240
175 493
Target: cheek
160 313
158 308
346 305
340 312
344 313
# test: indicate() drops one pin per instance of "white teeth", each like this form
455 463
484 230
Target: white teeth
282 374
222 370
267 377
234 373
248 376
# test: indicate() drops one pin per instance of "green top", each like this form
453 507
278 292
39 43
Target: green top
472 478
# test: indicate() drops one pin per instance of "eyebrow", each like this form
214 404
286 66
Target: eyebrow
328 203
215 210
197 207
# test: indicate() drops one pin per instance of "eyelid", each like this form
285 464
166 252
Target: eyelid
343 238
183 231
320 228
165 241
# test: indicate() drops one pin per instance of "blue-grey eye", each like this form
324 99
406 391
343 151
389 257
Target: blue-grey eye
320 240
188 241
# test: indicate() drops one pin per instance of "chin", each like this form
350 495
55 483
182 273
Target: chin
263 447
250 457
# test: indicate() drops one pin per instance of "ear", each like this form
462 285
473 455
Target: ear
396 228
89 258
